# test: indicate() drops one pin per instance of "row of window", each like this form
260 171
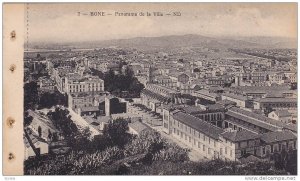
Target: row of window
281 104
83 87
202 146
82 90
211 117
279 147
196 134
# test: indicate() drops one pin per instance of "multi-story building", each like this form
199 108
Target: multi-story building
84 103
155 95
277 78
281 115
74 84
276 142
212 113
46 84
245 142
277 103
264 91
212 142
219 81
59 74
239 119
198 134
241 101
207 95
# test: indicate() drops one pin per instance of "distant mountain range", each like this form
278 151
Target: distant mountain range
191 40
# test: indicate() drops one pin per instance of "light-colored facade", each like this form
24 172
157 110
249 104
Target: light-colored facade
207 142
83 84
240 101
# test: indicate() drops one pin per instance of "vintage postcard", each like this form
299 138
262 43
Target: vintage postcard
150 89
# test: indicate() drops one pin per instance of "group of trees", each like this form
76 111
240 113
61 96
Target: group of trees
118 152
62 121
294 86
107 153
286 159
33 100
114 134
30 95
123 84
47 99
119 82
27 119
213 167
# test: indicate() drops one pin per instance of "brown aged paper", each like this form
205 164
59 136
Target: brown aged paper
14 19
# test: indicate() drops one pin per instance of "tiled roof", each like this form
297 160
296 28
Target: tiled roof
282 113
226 102
290 100
259 120
243 135
205 93
192 109
235 96
138 126
89 108
198 124
291 126
253 118
278 136
155 96
262 88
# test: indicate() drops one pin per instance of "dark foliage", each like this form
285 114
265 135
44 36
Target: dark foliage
122 84
98 73
27 119
30 95
47 99
116 133
294 86
63 122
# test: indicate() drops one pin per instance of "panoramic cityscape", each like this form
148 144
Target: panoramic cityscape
176 104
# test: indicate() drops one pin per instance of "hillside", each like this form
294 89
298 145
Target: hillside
178 41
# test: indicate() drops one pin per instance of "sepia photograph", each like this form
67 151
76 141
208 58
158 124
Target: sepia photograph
156 88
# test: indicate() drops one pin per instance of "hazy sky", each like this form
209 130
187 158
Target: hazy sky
60 22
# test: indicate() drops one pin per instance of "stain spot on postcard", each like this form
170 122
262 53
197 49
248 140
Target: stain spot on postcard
13 35
11 156
10 122
12 68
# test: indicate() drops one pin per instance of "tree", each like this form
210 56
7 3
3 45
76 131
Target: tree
50 136
294 86
268 110
40 131
196 70
62 121
47 99
55 137
27 119
116 132
30 95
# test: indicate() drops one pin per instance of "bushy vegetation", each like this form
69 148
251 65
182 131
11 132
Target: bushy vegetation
213 167
30 95
122 84
63 122
47 99
117 152
97 157
33 100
